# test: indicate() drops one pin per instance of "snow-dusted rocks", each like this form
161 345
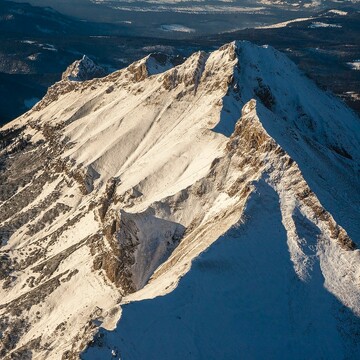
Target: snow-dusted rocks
112 187
84 69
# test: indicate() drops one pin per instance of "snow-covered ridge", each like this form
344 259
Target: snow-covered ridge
283 24
130 177
317 21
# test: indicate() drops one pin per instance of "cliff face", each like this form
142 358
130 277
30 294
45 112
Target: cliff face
111 187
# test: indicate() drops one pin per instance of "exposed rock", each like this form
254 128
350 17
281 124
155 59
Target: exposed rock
82 70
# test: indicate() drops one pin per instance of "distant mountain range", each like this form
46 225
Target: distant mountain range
37 44
155 18
218 6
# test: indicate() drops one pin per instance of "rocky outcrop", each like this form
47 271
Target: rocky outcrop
82 70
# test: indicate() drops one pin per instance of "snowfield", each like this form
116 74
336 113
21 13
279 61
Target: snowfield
204 210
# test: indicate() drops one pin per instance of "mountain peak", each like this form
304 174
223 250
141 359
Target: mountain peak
82 70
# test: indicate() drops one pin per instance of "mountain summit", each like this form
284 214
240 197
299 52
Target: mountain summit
111 188
84 69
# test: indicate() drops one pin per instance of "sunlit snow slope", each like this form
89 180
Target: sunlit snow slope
110 188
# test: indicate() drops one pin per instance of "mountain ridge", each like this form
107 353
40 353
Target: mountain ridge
130 177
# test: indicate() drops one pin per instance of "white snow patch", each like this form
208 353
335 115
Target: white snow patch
355 65
338 12
283 24
319 24
176 28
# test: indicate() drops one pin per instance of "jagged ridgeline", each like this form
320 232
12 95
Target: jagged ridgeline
111 187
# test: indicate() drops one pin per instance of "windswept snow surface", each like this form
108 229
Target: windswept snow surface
113 186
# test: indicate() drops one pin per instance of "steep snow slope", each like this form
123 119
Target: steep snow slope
111 187
241 299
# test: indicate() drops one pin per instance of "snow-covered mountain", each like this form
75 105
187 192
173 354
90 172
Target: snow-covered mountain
111 188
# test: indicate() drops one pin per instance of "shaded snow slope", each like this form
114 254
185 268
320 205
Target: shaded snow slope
111 187
241 299
308 124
